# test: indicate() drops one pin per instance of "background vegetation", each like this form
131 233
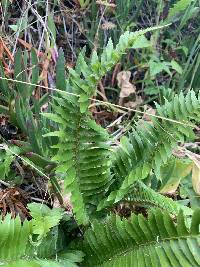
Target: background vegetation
99 133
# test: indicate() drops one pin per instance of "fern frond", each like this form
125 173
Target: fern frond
85 77
141 195
145 196
83 156
11 230
83 153
15 240
149 146
153 241
69 259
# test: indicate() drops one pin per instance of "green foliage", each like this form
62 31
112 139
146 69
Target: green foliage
22 107
98 175
83 153
139 241
6 158
60 71
153 143
19 242
141 195
178 7
44 218
83 156
149 146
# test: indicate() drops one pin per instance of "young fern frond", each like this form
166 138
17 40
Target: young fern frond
138 241
149 146
83 153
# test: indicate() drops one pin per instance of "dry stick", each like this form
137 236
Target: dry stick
101 102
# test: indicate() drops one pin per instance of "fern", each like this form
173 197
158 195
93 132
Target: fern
156 241
149 146
158 139
142 195
83 153
35 241
70 260
15 242
83 156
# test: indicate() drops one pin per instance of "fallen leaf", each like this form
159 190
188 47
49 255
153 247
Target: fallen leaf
108 25
127 88
134 104
195 171
25 44
194 157
148 112
172 173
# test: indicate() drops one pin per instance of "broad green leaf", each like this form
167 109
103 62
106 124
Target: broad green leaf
172 173
176 66
44 218
60 71
141 42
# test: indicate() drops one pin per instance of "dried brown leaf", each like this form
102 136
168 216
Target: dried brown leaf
149 111
108 25
127 88
134 104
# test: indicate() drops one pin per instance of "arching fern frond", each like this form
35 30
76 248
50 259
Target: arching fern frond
83 153
141 195
84 78
150 145
138 241
153 143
